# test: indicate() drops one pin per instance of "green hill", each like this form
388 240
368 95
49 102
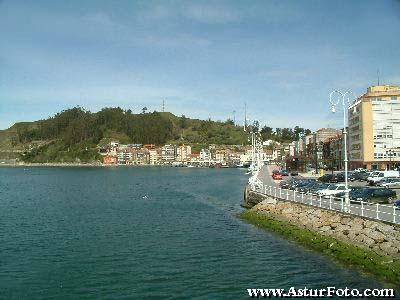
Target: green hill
75 134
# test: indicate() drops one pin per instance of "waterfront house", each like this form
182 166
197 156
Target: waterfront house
110 160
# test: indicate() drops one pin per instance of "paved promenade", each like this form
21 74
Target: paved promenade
265 175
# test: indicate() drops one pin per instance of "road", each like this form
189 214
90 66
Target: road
382 212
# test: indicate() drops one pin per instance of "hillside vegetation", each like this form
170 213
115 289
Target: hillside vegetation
74 134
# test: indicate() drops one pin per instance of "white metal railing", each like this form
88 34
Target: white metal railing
376 211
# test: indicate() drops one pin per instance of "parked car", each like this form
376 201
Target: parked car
333 178
352 192
318 187
397 204
326 178
306 188
374 195
275 171
294 173
296 184
389 182
353 176
332 190
358 176
336 178
284 172
276 176
379 175
288 183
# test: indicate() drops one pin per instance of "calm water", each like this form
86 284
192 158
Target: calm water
134 233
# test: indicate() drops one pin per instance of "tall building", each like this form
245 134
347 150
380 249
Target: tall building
168 153
153 156
183 153
313 146
374 128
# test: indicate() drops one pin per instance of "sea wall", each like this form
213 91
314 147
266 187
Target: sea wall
371 245
373 235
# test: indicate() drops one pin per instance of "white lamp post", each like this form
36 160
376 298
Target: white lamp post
341 97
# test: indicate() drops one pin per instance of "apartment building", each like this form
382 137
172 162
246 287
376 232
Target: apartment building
374 128
153 157
221 156
205 155
168 153
124 155
183 153
271 154
333 152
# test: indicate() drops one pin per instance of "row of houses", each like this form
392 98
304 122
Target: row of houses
138 154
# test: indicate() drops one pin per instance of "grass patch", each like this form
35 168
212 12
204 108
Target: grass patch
384 267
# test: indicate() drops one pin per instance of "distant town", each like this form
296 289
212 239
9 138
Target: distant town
373 143
322 145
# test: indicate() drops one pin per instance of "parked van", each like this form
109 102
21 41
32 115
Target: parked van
379 175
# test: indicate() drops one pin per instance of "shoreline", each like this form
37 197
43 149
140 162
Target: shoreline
99 165
383 267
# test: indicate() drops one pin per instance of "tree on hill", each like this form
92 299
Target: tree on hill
266 133
183 122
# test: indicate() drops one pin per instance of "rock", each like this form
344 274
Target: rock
363 240
342 227
269 201
352 234
368 241
317 213
389 248
325 229
318 224
345 220
356 226
287 211
376 235
358 222
359 240
386 229
335 218
370 224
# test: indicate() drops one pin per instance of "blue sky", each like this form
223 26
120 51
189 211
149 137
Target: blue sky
205 58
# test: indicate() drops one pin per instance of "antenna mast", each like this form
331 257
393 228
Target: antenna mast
245 117
377 74
163 105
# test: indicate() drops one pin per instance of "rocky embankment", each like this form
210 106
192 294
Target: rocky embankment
370 244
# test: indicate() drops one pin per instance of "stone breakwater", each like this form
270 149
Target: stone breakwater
368 234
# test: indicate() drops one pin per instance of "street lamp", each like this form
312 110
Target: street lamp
341 97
